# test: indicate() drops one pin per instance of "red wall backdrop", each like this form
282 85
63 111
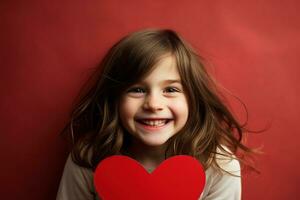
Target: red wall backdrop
48 47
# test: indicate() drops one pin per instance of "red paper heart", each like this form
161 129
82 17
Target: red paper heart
120 177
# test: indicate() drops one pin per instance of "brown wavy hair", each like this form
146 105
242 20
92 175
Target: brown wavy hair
95 126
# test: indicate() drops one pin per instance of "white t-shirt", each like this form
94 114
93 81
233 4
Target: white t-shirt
77 182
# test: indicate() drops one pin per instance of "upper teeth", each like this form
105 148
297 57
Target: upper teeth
154 122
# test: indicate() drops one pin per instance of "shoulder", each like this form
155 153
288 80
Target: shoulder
228 162
76 182
72 167
223 185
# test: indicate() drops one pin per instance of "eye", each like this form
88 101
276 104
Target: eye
136 90
172 89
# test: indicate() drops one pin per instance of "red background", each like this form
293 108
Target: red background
48 47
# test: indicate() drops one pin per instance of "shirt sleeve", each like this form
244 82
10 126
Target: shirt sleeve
225 186
76 183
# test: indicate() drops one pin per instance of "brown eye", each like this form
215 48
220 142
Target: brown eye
136 90
171 89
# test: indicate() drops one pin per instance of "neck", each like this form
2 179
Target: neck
149 156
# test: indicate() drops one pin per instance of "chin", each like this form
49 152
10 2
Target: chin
155 143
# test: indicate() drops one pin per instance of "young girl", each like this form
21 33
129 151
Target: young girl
152 99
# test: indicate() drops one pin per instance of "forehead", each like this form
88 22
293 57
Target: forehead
164 70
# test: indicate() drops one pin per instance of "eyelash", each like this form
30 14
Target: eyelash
135 90
141 90
174 89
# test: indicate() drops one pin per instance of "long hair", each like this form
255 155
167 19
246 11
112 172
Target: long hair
95 126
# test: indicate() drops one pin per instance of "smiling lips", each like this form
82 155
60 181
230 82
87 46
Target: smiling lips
153 123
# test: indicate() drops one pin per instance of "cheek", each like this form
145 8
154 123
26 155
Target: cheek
127 109
180 109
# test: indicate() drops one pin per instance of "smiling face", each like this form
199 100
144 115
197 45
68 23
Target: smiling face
156 108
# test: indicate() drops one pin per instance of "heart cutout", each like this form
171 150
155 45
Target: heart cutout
121 177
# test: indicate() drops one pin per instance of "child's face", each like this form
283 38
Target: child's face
156 108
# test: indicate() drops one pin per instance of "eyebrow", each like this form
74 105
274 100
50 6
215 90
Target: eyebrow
172 81
168 81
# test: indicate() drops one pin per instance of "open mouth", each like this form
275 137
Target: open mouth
154 123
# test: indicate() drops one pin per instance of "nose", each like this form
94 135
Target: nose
153 102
